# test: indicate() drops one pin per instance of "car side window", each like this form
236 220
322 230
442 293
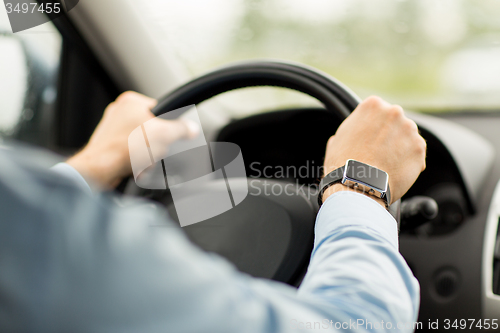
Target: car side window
29 64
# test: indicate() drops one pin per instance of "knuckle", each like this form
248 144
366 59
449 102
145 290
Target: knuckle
373 101
127 96
111 108
420 150
410 126
421 146
396 112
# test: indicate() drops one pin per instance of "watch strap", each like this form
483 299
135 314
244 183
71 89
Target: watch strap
387 197
330 179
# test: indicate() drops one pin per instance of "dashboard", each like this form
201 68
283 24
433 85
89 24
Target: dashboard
446 254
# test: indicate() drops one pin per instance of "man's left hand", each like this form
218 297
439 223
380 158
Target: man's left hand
105 159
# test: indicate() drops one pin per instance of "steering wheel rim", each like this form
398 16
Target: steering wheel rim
336 98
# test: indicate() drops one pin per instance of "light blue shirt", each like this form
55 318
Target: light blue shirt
72 262
356 280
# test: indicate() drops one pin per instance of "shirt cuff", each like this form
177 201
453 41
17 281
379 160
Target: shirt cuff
345 208
70 173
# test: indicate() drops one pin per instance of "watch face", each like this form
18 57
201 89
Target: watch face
366 174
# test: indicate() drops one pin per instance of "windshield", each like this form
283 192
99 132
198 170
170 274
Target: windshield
428 55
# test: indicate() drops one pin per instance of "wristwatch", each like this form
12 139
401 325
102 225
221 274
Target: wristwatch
359 176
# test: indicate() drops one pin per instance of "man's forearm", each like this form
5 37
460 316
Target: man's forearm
356 268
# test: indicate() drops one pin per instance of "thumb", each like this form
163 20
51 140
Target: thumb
181 129
165 132
162 133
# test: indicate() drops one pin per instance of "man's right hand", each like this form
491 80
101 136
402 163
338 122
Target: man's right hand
379 134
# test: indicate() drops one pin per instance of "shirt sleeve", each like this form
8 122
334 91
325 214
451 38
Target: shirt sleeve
356 266
70 173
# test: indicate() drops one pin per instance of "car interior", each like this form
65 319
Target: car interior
277 78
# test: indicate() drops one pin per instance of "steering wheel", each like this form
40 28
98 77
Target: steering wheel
267 235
